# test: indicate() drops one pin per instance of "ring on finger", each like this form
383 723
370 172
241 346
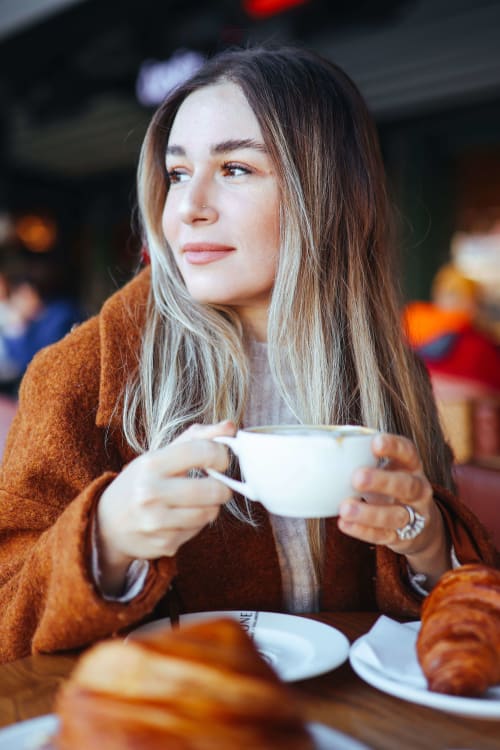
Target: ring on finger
415 525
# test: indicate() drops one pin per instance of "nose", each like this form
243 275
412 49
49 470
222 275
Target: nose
198 204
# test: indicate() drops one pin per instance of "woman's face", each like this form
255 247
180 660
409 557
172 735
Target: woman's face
221 214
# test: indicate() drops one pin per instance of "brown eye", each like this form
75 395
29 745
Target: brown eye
176 175
235 170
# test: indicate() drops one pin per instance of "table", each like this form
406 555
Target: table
338 698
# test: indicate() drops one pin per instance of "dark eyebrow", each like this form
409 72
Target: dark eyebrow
235 144
223 147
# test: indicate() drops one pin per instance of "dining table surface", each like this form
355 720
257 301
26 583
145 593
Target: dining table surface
338 698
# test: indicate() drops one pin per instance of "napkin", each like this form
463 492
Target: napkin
389 647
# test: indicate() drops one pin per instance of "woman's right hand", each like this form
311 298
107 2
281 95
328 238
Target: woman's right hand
152 507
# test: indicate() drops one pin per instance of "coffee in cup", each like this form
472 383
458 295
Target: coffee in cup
301 471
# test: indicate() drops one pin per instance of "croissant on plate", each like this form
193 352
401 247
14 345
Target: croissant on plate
201 686
458 645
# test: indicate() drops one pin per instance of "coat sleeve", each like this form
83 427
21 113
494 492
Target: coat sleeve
471 542
57 462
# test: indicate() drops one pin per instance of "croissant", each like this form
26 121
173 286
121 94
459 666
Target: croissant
458 645
201 686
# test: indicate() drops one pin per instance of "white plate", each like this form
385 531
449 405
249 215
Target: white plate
487 707
326 738
296 647
29 735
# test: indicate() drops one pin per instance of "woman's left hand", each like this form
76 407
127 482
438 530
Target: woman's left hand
386 492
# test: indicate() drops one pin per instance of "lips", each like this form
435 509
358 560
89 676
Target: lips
200 253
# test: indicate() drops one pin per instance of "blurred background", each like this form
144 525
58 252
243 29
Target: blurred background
80 79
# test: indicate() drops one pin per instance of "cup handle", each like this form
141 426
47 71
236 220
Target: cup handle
242 487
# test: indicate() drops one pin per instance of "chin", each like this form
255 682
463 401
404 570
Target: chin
210 297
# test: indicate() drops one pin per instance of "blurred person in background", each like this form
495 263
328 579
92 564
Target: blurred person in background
447 335
42 312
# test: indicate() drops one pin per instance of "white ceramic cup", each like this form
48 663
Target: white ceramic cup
300 471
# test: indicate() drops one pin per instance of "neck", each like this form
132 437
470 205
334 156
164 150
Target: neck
254 322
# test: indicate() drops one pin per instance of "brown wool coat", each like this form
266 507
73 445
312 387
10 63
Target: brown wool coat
65 446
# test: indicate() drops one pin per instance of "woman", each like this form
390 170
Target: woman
269 299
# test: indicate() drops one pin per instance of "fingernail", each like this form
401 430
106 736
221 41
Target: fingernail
361 478
349 511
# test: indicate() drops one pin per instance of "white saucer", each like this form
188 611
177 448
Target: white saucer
29 735
326 738
296 647
487 707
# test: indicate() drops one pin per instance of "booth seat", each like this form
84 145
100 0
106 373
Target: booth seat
8 407
479 488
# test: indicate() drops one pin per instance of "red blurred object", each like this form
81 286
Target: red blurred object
266 8
449 344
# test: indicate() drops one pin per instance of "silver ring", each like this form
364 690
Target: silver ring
415 525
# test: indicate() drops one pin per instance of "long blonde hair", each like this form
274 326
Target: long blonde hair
336 347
